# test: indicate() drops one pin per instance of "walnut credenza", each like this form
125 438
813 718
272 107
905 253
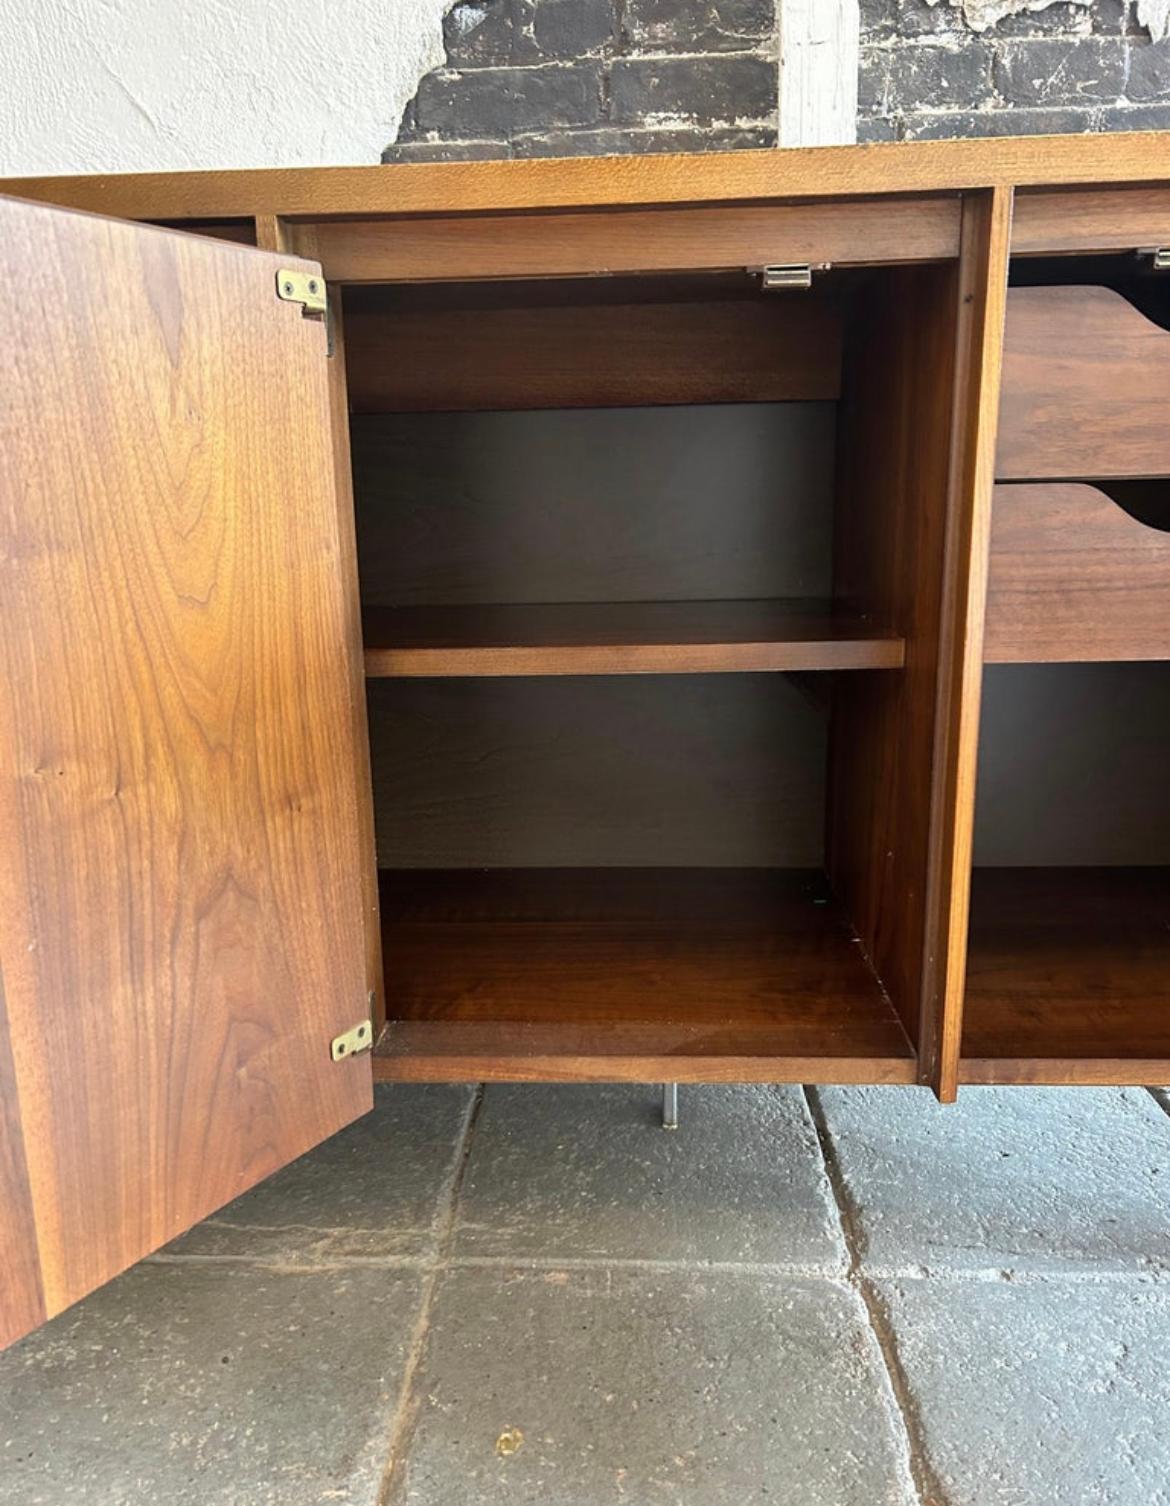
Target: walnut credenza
673 619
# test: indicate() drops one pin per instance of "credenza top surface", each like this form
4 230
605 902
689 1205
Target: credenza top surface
553 183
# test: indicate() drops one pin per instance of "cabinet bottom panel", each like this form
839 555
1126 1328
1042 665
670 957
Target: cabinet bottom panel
686 975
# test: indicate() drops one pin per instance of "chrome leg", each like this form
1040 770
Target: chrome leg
670 1105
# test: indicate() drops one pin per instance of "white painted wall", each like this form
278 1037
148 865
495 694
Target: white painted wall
156 85
152 85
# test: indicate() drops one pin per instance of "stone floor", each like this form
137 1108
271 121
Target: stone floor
534 1295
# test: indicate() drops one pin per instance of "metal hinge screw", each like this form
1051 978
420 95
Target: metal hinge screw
305 288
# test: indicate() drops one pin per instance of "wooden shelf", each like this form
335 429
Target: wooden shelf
621 638
606 975
1068 977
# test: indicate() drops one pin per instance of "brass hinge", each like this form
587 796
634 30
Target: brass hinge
305 288
793 275
352 1042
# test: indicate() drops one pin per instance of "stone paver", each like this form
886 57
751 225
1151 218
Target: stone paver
372 1192
587 1173
617 1314
598 1386
1050 1393
209 1385
1009 1179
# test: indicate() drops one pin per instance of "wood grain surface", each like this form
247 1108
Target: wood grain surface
623 638
459 187
1074 578
983 275
853 232
180 914
403 357
894 487
694 976
1085 378
1104 219
1069 976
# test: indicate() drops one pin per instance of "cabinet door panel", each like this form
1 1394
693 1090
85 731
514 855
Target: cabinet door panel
180 909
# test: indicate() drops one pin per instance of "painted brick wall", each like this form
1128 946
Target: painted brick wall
541 78
926 71
570 77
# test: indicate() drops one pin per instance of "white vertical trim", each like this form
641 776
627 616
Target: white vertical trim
819 52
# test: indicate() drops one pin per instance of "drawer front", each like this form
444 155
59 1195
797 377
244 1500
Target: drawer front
1086 387
1074 577
1050 220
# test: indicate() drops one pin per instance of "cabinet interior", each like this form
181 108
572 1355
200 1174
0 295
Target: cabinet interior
641 561
1068 975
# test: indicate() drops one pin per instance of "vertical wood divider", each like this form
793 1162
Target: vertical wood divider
983 274
272 233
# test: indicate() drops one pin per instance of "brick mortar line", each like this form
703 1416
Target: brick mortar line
405 1419
927 1487
764 48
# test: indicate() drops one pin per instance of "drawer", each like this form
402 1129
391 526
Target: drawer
1086 384
1074 577
1048 220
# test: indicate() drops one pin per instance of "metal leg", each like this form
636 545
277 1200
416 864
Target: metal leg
670 1105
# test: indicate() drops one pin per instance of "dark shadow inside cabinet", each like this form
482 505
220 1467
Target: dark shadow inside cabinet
650 583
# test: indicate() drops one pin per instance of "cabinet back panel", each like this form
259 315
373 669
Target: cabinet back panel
622 504
1072 765
704 770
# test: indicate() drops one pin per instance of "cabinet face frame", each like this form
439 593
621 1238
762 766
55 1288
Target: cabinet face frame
180 932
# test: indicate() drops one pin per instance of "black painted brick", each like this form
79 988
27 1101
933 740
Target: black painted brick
1053 20
949 125
1128 117
610 141
571 77
491 102
873 81
446 151
573 28
728 87
882 19
698 25
1061 72
877 128
489 34
1149 73
938 75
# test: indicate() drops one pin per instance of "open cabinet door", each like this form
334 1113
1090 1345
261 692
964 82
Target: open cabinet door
180 908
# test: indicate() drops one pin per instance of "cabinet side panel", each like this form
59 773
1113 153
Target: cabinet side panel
891 517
